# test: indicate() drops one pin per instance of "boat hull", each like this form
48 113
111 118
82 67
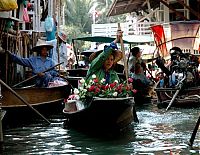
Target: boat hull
188 98
47 101
103 114
34 96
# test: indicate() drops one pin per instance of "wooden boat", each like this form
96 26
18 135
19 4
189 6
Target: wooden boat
34 96
101 114
187 97
46 100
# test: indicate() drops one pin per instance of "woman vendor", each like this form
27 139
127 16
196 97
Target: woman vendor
38 64
103 62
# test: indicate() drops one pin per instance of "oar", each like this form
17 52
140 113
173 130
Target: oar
24 101
194 132
172 100
36 75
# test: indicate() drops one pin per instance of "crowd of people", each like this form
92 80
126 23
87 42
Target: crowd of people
102 63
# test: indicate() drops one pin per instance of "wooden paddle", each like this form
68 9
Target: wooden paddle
175 95
24 101
194 132
37 75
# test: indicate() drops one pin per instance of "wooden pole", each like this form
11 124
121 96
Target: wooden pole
175 95
194 132
24 101
124 56
58 29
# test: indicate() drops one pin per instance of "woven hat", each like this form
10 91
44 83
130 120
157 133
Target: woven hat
40 44
62 36
117 53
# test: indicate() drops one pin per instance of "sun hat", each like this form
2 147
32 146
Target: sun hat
62 36
40 44
117 54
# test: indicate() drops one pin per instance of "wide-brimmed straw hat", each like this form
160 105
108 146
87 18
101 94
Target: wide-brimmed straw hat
40 44
62 36
117 54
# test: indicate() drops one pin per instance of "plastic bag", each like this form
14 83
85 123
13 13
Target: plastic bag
48 24
25 15
8 5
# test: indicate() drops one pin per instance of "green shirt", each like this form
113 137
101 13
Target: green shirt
96 67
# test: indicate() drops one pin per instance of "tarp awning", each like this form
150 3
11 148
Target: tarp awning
100 39
131 39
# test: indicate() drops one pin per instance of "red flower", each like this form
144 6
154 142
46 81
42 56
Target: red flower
112 85
107 87
103 87
92 88
97 90
96 80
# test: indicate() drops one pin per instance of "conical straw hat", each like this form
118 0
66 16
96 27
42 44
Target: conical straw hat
40 44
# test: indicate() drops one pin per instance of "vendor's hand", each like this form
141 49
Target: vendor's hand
40 74
2 51
119 34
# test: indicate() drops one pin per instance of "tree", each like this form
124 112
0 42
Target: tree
103 6
78 14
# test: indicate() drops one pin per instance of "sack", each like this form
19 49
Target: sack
8 5
48 24
25 15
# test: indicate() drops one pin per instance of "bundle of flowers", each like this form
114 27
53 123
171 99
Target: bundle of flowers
98 88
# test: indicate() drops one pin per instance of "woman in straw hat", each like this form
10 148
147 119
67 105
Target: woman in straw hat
38 64
103 62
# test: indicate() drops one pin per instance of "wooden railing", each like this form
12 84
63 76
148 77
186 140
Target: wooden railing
109 29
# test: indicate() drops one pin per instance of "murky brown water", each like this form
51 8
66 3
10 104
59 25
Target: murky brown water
157 133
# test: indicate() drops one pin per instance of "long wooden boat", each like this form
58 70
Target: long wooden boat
102 114
34 96
187 97
47 101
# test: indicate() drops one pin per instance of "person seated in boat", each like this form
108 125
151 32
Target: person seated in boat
39 64
139 75
135 58
102 62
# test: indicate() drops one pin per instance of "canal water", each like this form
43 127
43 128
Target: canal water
158 133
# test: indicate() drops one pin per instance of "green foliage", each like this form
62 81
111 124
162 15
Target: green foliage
78 17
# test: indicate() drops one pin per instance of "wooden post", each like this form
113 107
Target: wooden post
58 29
2 113
124 56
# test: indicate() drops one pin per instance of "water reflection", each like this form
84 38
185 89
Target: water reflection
157 133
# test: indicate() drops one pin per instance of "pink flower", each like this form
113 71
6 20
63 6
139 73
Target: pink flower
134 91
130 80
96 80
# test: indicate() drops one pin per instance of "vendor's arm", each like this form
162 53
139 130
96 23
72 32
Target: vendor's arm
21 61
98 62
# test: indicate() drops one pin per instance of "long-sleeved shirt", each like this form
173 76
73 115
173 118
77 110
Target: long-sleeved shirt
37 64
62 52
96 67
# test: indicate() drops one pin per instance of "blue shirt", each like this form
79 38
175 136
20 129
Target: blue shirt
37 64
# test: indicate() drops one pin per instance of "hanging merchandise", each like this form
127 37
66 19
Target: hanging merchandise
49 24
25 15
8 5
